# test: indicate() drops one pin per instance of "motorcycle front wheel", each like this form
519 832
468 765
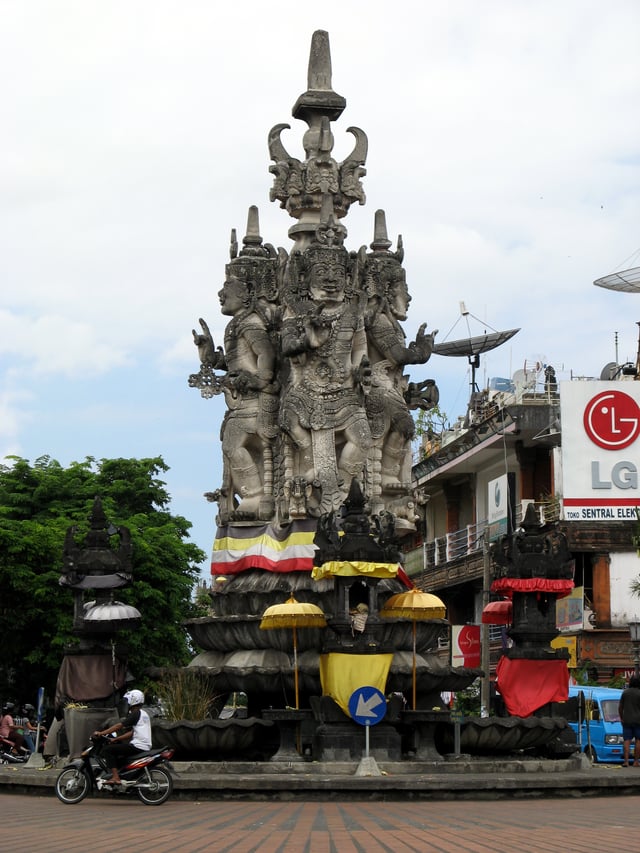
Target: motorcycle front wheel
157 789
72 785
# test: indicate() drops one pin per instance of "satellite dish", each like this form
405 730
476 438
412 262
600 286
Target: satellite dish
476 345
627 281
473 347
609 371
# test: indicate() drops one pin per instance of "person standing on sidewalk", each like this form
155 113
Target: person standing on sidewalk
629 710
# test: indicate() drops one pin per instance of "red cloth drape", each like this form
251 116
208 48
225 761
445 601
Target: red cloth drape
507 586
526 685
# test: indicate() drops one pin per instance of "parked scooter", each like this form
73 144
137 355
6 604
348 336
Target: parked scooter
146 773
9 754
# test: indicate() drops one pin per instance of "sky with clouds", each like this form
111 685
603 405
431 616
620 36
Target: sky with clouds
504 145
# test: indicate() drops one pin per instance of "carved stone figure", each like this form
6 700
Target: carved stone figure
322 409
390 398
250 392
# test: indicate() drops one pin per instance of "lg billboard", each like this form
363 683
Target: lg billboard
600 450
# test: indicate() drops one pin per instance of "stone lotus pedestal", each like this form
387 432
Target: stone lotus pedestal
235 739
501 735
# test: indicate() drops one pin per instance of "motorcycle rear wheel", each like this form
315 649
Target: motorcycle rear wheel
158 789
72 785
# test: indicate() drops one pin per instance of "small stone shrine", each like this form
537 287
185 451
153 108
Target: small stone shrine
534 568
94 668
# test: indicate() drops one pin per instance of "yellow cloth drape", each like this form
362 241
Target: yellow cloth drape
341 674
354 567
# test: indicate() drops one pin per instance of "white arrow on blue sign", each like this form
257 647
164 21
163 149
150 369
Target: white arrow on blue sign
367 706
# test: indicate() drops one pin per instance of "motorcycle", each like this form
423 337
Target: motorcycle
9 755
148 774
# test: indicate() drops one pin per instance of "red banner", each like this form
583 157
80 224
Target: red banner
526 685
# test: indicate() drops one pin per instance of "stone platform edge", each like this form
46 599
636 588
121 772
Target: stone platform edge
448 779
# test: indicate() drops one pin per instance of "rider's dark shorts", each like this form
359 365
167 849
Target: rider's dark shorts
119 753
631 732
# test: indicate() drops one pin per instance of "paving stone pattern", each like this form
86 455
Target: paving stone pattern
590 824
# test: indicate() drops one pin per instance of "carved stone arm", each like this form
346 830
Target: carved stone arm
294 340
422 395
422 347
246 380
209 354
362 374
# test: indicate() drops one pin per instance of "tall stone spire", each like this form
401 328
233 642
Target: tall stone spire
319 99
301 185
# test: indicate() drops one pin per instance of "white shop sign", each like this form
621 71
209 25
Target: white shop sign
600 450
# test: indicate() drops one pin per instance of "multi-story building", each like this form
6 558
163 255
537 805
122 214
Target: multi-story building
511 440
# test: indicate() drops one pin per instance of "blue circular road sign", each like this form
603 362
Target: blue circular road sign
367 706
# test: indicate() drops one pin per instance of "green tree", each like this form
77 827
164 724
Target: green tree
38 503
430 425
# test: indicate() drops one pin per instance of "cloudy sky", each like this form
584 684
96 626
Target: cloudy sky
504 145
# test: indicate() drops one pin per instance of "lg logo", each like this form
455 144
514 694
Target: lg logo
612 420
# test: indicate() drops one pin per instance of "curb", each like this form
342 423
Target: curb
339 781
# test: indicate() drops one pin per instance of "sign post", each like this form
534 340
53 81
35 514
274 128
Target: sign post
367 706
36 759
457 718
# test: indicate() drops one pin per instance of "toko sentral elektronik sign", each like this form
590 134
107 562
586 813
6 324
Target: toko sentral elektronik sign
600 450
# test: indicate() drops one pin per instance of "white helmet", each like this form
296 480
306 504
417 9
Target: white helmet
134 697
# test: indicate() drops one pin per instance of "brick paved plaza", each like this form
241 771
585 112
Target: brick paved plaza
589 824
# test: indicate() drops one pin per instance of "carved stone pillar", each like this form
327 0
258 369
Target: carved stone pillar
602 590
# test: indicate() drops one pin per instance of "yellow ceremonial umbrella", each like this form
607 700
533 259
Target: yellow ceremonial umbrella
416 606
293 614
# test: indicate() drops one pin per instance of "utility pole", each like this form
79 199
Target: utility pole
485 659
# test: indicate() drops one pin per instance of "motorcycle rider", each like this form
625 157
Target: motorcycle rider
135 738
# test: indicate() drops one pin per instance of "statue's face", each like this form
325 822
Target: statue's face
327 282
233 296
400 299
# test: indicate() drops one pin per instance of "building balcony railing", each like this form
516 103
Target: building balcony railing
468 540
489 414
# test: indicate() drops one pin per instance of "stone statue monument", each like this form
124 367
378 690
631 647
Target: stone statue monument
316 490
314 354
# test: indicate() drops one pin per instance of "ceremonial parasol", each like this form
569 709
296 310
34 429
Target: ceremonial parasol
416 606
497 613
293 614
